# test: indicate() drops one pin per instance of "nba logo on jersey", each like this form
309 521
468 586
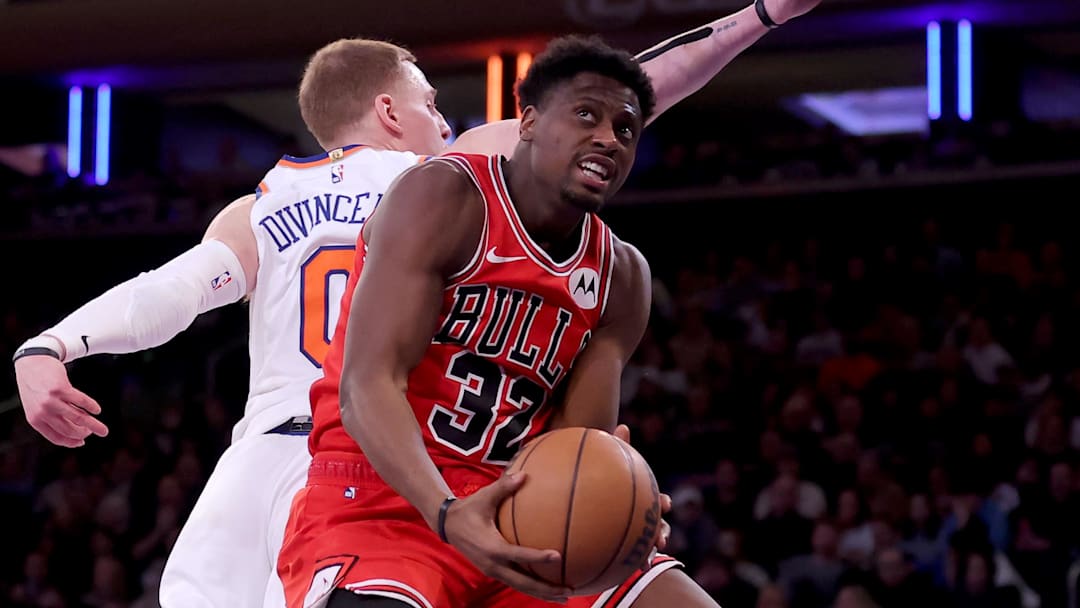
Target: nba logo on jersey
337 173
583 287
220 281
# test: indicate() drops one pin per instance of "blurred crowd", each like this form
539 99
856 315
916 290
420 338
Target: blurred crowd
91 527
889 427
180 197
838 425
696 155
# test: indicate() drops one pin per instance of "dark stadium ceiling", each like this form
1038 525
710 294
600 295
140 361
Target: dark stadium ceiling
244 44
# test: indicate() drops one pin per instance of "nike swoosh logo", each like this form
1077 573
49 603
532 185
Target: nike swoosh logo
85 344
498 259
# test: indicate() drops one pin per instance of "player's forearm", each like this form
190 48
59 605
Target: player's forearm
681 65
150 309
592 399
381 421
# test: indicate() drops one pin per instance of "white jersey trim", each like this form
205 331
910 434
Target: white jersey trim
609 251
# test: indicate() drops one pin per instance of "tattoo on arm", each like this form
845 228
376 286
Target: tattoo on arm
687 38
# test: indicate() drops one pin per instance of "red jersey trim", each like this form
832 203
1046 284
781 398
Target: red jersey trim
534 251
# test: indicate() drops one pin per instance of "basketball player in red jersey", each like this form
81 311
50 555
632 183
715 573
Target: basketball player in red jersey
478 286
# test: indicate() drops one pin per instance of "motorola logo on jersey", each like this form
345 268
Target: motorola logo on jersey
584 287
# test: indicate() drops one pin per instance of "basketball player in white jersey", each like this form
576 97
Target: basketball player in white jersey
288 248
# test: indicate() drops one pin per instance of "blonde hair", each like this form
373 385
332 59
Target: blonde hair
341 81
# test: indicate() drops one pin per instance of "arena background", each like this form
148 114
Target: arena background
859 383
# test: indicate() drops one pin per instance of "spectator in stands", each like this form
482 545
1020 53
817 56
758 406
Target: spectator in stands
812 580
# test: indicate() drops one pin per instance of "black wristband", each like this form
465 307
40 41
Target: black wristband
33 351
766 20
443 509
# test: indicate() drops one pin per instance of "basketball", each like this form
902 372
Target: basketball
589 496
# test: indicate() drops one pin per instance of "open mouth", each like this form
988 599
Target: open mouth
597 170
594 170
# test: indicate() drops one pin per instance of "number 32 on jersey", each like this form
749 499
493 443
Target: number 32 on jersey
322 284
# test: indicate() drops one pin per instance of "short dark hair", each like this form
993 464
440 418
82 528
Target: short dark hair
569 56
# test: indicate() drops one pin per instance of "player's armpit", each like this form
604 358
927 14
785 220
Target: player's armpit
592 393
232 226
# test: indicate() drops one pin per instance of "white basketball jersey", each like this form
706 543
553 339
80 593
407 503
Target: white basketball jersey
306 219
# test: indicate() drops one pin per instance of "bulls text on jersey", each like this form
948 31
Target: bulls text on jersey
489 320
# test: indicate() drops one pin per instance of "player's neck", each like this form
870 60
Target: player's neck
368 137
546 216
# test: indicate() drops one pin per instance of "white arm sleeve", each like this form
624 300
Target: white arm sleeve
150 309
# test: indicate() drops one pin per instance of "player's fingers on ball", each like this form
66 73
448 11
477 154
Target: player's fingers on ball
504 486
623 432
527 555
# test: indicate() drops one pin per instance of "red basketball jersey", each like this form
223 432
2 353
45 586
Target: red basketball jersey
511 325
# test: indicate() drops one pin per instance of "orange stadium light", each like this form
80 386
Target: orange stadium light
494 88
524 60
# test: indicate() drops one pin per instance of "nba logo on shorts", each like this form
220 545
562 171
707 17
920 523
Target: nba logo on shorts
337 173
583 287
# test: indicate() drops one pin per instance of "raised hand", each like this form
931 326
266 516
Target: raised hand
783 11
57 410
470 527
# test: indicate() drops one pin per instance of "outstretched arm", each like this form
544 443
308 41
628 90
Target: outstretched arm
682 64
141 313
678 67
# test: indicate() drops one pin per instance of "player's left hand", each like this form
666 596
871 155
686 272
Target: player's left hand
623 432
783 11
62 414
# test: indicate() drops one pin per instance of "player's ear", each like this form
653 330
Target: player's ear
386 111
527 125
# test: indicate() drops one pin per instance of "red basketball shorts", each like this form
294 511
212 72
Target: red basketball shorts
349 530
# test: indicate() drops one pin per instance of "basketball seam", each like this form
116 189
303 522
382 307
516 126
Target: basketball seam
513 505
570 507
630 516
